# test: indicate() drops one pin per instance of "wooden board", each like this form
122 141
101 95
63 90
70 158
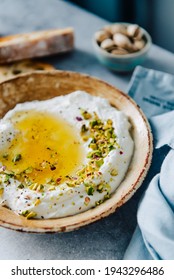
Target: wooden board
41 86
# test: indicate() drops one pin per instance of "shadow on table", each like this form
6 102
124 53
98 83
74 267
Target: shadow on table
85 62
105 239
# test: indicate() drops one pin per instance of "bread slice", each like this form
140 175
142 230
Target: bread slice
35 44
11 70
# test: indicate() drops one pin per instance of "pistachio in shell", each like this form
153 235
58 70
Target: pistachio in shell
101 36
139 44
116 28
107 44
122 41
119 51
134 31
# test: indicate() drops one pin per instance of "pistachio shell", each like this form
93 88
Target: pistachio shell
101 35
122 41
133 30
138 45
119 51
116 28
107 44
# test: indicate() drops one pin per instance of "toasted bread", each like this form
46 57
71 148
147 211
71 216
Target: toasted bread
8 71
35 44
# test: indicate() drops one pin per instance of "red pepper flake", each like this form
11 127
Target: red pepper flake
121 152
58 180
52 167
87 199
79 119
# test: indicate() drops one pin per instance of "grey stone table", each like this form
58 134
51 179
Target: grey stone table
109 237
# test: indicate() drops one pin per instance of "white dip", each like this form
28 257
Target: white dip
97 157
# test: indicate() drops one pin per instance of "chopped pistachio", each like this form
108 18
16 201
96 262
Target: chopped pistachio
70 184
40 188
93 146
99 162
17 157
9 172
98 202
94 153
108 188
109 122
111 147
86 114
108 134
93 123
5 156
31 215
34 186
1 191
93 140
80 172
29 170
52 188
7 178
84 128
107 126
107 196
21 186
96 116
89 190
51 181
100 188
25 213
112 140
85 138
28 182
114 172
37 202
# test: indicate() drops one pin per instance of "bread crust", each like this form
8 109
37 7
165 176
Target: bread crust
11 70
36 44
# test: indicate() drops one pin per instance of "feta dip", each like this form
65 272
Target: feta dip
62 156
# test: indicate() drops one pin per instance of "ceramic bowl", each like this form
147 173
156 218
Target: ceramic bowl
46 85
123 62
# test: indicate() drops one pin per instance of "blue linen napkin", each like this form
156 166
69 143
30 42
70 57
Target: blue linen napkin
154 234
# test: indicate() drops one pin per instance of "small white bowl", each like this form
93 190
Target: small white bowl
123 62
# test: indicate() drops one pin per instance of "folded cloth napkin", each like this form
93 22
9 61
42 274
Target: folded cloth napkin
154 234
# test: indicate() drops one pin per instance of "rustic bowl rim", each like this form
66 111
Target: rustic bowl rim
142 130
